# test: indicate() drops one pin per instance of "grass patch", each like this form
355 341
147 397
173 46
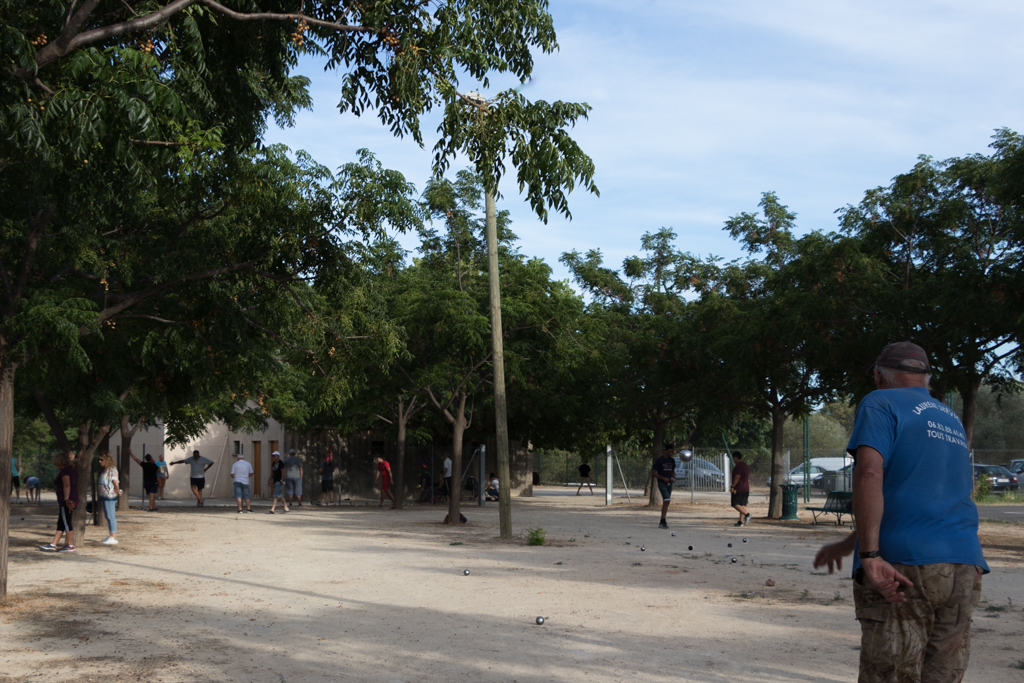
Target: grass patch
638 564
535 536
987 497
455 543
1019 664
996 608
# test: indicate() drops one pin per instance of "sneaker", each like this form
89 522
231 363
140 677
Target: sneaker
110 540
240 512
270 512
746 520
49 547
248 512
662 524
738 524
67 549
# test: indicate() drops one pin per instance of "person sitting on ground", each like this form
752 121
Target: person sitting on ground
150 483
32 488
492 487
66 486
108 487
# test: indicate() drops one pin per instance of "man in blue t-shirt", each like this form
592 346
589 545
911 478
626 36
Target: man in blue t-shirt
918 563
664 472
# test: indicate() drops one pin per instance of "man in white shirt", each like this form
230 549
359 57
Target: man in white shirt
447 477
241 472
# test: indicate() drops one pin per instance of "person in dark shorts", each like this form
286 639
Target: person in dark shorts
66 486
150 479
199 465
276 481
293 470
327 480
426 484
584 478
15 479
664 472
740 488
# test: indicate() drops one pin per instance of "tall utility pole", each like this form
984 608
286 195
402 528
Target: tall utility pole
500 410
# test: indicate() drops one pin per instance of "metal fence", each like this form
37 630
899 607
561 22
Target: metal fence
711 470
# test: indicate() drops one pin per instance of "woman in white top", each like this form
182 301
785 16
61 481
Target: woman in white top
109 488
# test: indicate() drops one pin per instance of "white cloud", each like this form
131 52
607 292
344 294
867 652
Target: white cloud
701 106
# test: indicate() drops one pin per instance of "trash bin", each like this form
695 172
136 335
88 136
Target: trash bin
789 500
536 478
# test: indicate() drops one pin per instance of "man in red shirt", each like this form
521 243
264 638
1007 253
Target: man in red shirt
740 488
384 472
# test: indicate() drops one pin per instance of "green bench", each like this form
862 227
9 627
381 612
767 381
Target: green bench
838 503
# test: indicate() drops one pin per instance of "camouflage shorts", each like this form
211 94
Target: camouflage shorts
927 638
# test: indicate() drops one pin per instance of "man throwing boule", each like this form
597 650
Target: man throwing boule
918 563
664 472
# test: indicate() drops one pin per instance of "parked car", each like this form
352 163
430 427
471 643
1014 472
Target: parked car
841 480
1016 466
705 474
818 467
999 478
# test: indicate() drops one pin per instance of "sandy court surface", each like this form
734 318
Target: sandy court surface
362 594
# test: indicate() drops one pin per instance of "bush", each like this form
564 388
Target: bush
535 536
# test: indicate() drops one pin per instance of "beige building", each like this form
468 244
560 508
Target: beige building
219 444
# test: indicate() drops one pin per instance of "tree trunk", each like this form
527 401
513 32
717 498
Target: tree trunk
88 442
124 465
458 430
6 448
775 501
403 418
659 437
970 399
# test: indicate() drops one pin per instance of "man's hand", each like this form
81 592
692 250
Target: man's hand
884 577
70 504
732 491
834 553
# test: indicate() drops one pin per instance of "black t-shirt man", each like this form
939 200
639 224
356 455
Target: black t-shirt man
584 470
277 470
665 466
327 471
149 471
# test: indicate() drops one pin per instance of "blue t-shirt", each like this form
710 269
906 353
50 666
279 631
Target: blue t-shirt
929 516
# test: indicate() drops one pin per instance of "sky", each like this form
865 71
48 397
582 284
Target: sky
699 107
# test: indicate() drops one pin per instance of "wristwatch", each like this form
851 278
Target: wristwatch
868 555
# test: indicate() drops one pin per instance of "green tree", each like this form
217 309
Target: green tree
947 241
658 371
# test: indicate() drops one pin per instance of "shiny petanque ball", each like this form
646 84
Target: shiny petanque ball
744 540
730 545
539 621
642 548
465 572
673 533
734 560
689 547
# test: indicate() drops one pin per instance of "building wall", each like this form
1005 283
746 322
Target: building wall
218 443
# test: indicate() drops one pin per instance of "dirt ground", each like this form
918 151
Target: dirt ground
362 594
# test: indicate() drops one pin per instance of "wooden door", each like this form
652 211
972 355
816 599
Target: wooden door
257 466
